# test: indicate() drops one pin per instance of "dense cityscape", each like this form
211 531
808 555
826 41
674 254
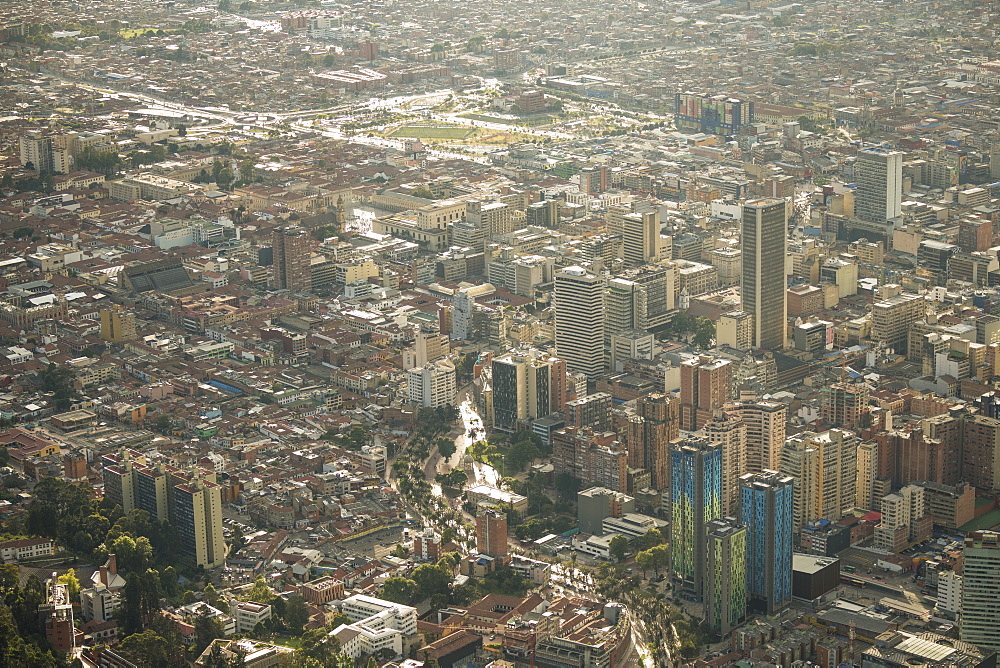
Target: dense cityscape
514 335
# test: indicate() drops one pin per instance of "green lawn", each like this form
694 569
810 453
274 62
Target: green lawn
984 521
526 121
433 132
288 641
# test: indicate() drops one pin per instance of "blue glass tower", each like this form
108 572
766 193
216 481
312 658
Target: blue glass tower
766 511
696 498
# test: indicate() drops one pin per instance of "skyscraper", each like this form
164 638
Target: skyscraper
825 468
879 174
765 421
696 498
764 280
766 511
981 589
641 233
491 532
526 387
624 307
579 303
726 574
196 513
706 384
731 432
649 433
291 258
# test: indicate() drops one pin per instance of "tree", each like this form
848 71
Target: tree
296 614
446 447
259 592
618 547
72 583
431 580
206 629
399 590
644 560
146 648
423 191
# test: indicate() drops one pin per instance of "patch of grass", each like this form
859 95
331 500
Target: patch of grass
433 131
527 121
288 641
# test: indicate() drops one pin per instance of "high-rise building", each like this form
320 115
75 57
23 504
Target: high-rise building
117 324
824 466
432 384
726 575
579 316
641 234
624 307
661 283
696 498
879 174
714 114
981 451
764 280
491 532
765 424
291 258
463 313
526 387
905 519
865 485
706 385
981 590
592 411
37 150
846 405
731 432
892 319
591 457
196 513
648 433
766 511
152 490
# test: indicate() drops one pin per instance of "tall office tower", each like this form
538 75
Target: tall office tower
291 258
624 307
641 234
464 311
117 324
846 405
696 498
879 174
765 421
731 432
579 302
706 384
764 281
661 282
981 590
766 501
726 575
865 485
526 387
905 519
592 411
981 451
824 466
197 516
38 151
491 532
657 424
433 384
892 319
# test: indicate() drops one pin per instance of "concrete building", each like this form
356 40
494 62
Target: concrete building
735 329
579 320
726 575
824 466
731 432
597 503
491 532
879 195
892 319
696 498
981 590
526 387
291 258
706 385
765 425
764 279
433 384
766 506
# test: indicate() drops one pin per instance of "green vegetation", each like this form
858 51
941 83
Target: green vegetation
415 131
525 121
